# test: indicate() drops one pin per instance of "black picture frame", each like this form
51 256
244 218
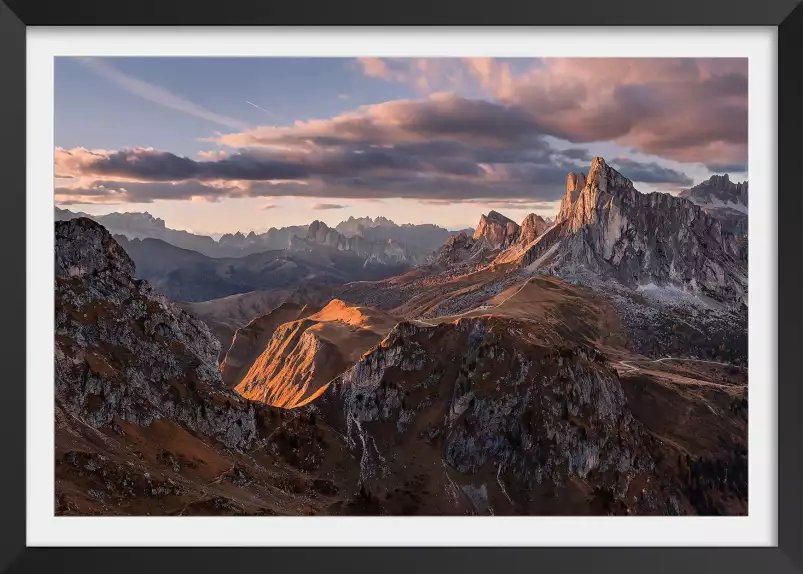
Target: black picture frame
786 15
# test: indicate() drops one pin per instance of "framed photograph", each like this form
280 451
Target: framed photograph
496 290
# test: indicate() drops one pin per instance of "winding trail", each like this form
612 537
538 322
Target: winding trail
632 369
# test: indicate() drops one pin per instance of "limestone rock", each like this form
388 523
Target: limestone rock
610 229
496 231
532 227
720 197
123 351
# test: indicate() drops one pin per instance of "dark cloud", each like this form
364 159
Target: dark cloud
727 167
324 206
449 148
650 172
441 117
441 166
581 154
689 110
167 167
448 171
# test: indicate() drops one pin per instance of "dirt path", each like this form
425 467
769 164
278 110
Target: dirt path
632 369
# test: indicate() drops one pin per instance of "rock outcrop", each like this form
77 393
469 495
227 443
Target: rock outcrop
124 352
526 428
574 185
532 227
143 422
720 197
496 231
456 250
612 230
718 188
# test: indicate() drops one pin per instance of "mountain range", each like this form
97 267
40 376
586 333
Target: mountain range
417 238
185 275
590 364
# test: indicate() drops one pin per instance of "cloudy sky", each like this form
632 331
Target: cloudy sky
217 145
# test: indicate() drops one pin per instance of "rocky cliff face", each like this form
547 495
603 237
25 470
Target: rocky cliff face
456 250
612 230
496 231
505 424
718 188
124 352
532 227
574 185
720 197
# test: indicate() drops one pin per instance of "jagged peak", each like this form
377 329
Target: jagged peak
722 182
317 225
496 217
533 217
605 178
496 229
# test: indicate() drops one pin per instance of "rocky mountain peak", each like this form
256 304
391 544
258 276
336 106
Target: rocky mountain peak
496 230
458 247
319 232
654 239
605 178
579 207
532 227
84 247
720 180
124 352
317 226
497 217
382 251
726 200
717 188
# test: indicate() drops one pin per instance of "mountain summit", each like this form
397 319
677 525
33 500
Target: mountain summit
496 230
720 197
611 229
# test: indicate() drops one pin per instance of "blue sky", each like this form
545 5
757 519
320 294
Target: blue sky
95 113
437 140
